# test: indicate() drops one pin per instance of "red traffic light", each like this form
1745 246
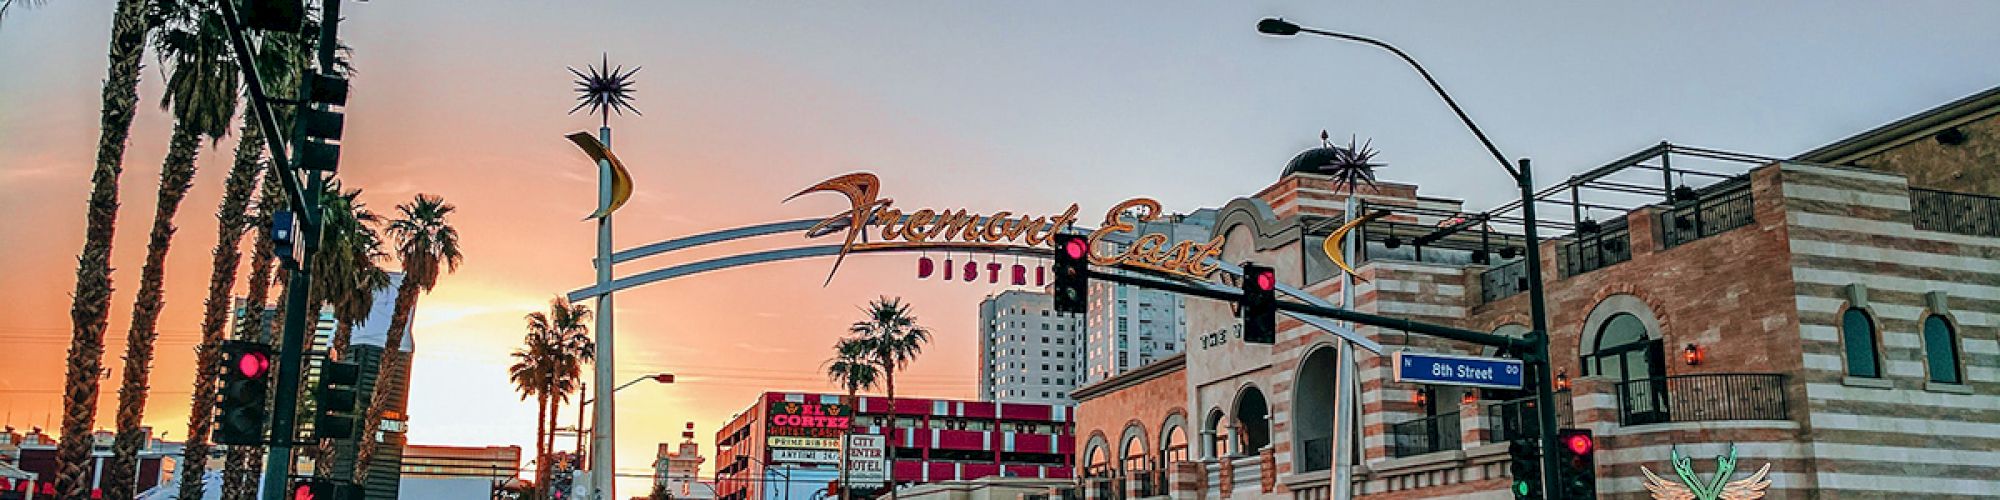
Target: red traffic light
253 364
302 491
1267 280
1075 248
1580 444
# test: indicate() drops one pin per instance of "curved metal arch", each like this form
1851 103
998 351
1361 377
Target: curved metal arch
780 255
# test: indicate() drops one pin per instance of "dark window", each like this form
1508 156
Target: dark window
1857 332
1941 350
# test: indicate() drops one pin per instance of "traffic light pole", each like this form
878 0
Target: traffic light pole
1545 396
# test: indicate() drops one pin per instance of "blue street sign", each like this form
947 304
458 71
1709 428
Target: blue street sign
1446 369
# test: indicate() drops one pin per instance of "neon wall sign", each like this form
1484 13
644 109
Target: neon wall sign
814 420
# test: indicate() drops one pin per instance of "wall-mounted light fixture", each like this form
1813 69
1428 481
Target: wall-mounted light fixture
1693 354
1422 396
1470 396
1562 380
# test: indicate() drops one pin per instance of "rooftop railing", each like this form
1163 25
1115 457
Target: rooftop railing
1962 213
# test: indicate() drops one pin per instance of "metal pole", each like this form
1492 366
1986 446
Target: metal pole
290 353
1342 482
580 407
603 430
1545 408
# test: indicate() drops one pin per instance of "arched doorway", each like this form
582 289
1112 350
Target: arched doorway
1313 411
1253 421
1214 437
1629 356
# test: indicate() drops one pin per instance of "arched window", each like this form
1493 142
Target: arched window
1253 416
1857 333
1941 350
1636 361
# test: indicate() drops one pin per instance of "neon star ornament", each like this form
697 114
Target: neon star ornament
605 90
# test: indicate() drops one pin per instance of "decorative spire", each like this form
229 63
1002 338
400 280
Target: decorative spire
605 90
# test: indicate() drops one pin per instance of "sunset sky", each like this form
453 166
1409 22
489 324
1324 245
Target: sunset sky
989 106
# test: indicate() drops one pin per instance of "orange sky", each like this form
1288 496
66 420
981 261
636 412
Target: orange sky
982 106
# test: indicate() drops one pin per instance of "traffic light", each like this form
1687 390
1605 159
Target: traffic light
274 15
1259 304
246 380
334 400
285 237
1526 466
1576 463
1072 280
320 126
319 488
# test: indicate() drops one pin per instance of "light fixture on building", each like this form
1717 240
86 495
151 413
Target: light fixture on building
1470 396
1694 354
1422 396
1508 252
1684 193
1479 257
1392 242
1587 226
1562 380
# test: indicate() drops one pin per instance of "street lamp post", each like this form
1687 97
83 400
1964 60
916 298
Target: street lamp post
1538 358
581 408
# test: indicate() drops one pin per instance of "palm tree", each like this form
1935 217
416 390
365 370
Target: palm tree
891 339
530 374
91 300
239 480
853 371
427 245
567 326
201 94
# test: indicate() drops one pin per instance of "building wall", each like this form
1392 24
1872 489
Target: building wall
1142 406
1031 353
1850 230
1934 165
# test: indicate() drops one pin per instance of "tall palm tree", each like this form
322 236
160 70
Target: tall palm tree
891 339
239 476
232 220
853 371
91 300
566 326
427 245
531 374
201 94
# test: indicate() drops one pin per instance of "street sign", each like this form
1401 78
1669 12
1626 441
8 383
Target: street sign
1446 369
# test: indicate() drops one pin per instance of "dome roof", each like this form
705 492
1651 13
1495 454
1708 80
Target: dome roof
1315 160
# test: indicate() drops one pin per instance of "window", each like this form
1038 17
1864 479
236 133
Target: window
1045 367
1045 353
1059 367
1045 327
1121 324
1941 350
1857 334
1045 313
1045 381
1170 346
1045 340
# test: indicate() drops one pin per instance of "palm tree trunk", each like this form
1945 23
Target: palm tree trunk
889 374
392 356
91 305
541 432
176 176
231 223
238 474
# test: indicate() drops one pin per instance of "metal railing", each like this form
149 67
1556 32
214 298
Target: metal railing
1503 281
1425 435
1586 252
1950 212
1516 418
1695 398
1725 206
1108 488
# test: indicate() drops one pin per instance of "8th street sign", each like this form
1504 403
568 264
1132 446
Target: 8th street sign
1445 369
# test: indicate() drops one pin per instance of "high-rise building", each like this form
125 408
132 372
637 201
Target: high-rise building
677 469
1129 326
1030 353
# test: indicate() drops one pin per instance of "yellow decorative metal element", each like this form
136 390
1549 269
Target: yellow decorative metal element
1332 244
1692 487
621 180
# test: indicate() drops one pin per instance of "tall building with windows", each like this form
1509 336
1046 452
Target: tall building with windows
1129 326
1030 353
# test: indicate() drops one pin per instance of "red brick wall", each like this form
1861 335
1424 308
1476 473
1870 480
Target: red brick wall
1147 404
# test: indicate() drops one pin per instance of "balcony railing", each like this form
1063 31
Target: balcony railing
1425 435
1695 398
1588 252
1504 280
1723 207
1517 418
1949 212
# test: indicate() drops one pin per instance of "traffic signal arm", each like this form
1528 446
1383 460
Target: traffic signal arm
1435 330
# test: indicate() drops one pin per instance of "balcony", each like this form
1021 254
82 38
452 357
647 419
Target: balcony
1517 418
1698 398
1425 435
1719 208
1949 212
1590 251
1503 281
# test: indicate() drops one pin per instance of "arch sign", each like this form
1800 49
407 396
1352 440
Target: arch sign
928 228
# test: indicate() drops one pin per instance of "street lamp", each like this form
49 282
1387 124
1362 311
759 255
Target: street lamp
1537 340
582 408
